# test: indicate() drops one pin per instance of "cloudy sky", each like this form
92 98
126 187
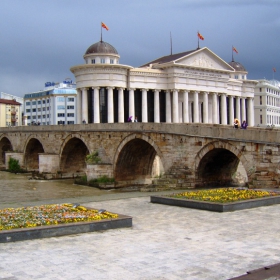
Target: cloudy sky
41 39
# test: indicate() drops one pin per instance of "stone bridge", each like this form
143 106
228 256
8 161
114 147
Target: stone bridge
149 154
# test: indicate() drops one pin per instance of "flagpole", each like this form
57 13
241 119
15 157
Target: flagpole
197 40
170 43
101 31
232 53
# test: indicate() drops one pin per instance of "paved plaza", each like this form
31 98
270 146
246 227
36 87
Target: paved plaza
165 242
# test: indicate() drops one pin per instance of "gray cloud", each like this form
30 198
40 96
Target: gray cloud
41 40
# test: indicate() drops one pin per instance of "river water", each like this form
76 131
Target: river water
18 189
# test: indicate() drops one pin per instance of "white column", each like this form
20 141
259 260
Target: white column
84 105
231 110
205 107
224 108
121 105
110 112
195 107
238 108
131 109
243 118
96 109
144 106
215 108
168 106
251 116
156 106
186 107
79 106
175 111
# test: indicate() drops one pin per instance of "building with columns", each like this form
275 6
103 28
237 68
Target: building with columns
190 87
267 103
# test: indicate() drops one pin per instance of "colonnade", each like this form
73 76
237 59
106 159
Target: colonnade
217 108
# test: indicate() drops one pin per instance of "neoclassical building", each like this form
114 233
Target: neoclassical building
190 87
267 103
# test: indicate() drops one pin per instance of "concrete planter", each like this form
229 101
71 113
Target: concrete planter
216 207
63 229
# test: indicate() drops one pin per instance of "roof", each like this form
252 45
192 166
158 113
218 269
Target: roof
101 47
168 58
237 66
9 102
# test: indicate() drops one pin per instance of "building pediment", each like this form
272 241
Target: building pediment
204 58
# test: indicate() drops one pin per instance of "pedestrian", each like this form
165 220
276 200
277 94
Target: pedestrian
244 125
236 123
129 119
84 121
135 120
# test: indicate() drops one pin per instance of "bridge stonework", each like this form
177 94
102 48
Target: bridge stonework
149 154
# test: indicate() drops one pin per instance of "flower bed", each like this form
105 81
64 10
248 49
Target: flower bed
53 214
220 200
24 223
226 195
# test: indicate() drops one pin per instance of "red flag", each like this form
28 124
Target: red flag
274 69
200 36
234 49
104 26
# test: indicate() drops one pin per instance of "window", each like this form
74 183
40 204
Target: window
44 116
93 61
60 107
70 122
236 77
33 102
71 99
39 102
60 122
27 110
39 109
34 117
260 100
60 114
33 110
70 115
70 107
44 101
28 117
102 60
48 101
27 103
112 61
60 99
260 89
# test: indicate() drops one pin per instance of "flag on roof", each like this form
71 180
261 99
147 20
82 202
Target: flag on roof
200 36
104 26
274 69
234 49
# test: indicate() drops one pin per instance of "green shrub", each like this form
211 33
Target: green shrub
14 165
93 158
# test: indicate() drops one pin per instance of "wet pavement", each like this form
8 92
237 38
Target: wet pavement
165 242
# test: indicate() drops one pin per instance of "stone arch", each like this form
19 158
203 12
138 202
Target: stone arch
5 146
33 148
137 160
217 162
73 153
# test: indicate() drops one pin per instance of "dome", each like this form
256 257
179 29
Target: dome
237 66
101 47
275 83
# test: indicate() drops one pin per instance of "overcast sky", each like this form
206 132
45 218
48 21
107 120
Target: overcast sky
41 39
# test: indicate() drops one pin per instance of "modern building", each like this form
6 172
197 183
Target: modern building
267 103
195 86
56 104
19 99
9 113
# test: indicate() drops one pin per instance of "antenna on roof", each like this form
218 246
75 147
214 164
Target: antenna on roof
170 43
